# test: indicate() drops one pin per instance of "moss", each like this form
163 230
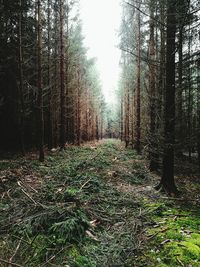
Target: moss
195 239
174 235
74 252
191 249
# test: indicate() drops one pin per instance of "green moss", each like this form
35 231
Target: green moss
191 249
195 239
83 261
74 252
174 235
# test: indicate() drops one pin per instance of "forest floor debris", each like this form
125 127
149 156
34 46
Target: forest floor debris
90 206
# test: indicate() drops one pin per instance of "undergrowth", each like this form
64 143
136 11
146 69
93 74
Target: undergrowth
66 212
89 206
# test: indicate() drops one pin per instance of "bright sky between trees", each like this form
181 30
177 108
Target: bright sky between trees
101 21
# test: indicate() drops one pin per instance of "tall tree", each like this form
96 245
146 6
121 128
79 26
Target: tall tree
167 180
152 92
21 79
62 79
39 84
138 84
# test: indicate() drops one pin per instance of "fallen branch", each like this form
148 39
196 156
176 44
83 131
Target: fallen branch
173 198
12 264
29 196
161 231
17 248
85 184
53 257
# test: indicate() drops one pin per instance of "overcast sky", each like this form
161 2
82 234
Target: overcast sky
101 20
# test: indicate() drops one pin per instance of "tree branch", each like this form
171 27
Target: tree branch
161 23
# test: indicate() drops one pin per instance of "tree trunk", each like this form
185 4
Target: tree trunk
78 111
127 108
152 87
180 89
40 90
21 81
138 118
50 124
62 80
167 180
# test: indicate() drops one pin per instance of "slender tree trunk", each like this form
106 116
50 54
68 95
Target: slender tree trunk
40 90
167 180
132 118
198 118
152 90
189 111
50 111
180 89
50 124
67 77
78 110
21 81
127 111
62 80
122 121
138 118
97 128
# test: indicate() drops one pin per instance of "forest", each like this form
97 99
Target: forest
87 183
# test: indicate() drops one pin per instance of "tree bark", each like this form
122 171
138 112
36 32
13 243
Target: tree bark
152 89
138 115
167 180
40 90
50 122
21 80
62 80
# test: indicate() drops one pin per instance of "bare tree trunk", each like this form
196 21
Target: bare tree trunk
62 80
180 89
167 180
189 111
97 128
127 111
198 118
21 81
78 110
152 91
122 120
40 90
138 117
50 123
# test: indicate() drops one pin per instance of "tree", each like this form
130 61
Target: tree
167 180
138 85
39 84
21 79
152 92
62 80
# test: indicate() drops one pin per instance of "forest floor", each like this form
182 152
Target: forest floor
95 205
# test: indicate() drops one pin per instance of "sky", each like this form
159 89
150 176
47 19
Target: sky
101 21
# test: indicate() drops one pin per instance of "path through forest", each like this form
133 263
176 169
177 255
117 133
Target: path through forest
90 206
